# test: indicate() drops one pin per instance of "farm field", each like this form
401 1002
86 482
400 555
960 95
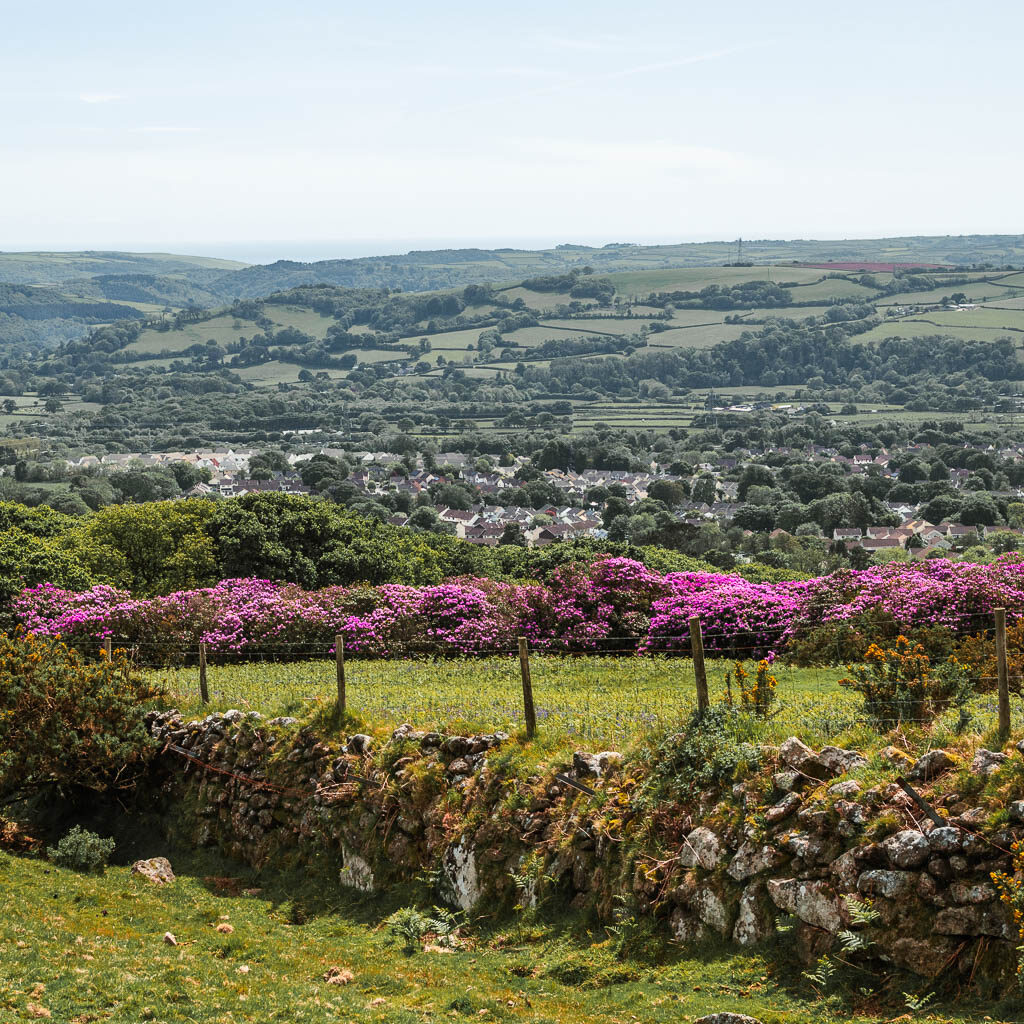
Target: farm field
222 329
981 291
926 324
599 325
276 372
697 336
90 948
588 699
643 282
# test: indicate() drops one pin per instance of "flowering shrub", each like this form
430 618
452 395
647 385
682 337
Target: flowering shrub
899 684
758 694
606 605
68 722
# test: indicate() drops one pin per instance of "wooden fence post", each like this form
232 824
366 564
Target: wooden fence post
108 647
204 692
339 661
1004 683
524 665
699 671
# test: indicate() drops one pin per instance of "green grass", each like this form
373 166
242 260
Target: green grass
693 279
702 335
600 700
925 326
89 949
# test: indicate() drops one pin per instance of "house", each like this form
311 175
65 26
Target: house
880 543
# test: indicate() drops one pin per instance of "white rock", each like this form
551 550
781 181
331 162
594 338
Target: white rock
907 849
753 922
355 872
459 865
814 902
752 859
711 909
702 847
685 927
987 761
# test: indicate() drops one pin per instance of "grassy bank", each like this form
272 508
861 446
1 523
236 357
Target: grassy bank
88 949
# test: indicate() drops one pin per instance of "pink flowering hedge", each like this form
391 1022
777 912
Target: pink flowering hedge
610 603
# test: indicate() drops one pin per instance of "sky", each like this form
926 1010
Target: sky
324 128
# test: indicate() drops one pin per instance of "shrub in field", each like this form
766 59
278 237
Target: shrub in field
66 721
757 692
844 640
82 850
899 684
977 653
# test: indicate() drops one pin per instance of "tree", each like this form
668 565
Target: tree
704 490
263 465
979 510
153 547
671 492
754 475
512 534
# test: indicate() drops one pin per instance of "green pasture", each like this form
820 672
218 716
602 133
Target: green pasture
276 372
833 288
698 336
90 948
220 329
976 291
540 300
597 325
926 325
691 279
980 317
446 342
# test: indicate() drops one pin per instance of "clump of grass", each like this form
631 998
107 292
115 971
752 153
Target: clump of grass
82 850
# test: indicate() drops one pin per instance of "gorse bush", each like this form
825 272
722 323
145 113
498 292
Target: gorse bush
67 721
900 685
758 692
82 850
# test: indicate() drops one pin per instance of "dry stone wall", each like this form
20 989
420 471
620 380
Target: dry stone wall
789 845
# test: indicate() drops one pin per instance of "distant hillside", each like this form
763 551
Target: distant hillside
152 283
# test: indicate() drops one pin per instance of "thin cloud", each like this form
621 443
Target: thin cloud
165 129
665 65
586 44
582 82
99 97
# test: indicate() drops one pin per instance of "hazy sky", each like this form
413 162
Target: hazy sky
345 127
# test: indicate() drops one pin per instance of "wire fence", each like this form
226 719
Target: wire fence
616 689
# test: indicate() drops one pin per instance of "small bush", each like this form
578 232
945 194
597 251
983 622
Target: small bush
707 754
978 654
899 684
68 721
757 694
82 850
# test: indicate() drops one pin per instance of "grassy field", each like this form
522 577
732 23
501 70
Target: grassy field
89 949
585 699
